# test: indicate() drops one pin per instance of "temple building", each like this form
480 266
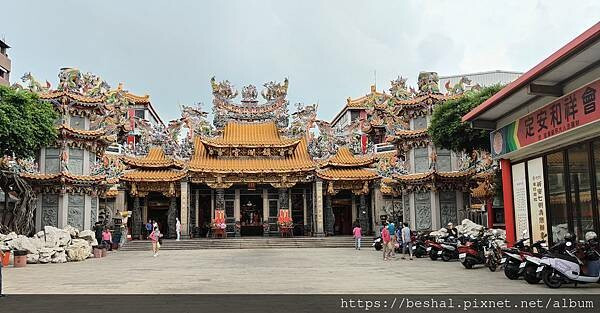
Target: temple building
66 187
349 180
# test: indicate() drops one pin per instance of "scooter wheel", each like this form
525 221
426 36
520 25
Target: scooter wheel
446 257
511 271
467 264
551 280
492 266
531 276
433 255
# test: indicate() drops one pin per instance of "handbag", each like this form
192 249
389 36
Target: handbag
158 245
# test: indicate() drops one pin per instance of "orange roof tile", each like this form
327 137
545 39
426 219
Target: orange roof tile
203 162
416 177
111 193
345 158
153 175
81 98
154 159
481 191
66 175
82 132
362 101
347 174
236 134
137 99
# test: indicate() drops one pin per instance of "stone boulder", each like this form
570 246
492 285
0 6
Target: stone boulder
33 258
73 232
469 228
79 250
88 235
45 255
31 245
59 257
56 237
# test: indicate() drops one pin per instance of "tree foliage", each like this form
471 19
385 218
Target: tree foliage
449 132
26 123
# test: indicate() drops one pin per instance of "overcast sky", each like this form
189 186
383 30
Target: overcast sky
329 50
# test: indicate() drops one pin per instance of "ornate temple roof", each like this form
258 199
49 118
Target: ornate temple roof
364 101
55 94
299 160
64 176
403 134
345 166
155 158
145 99
345 158
455 180
250 135
153 175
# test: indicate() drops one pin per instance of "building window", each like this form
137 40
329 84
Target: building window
354 115
49 210
423 210
75 211
421 160
75 161
581 196
140 114
52 162
77 122
420 123
444 160
557 204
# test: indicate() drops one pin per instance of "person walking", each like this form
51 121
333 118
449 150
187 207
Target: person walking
107 238
1 265
386 238
155 237
392 229
407 241
148 228
357 232
178 228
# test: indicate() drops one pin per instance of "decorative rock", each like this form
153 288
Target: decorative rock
45 255
59 257
79 250
73 232
87 235
33 258
56 237
31 245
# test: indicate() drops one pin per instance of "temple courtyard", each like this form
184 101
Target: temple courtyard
294 270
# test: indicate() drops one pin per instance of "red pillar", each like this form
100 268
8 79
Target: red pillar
509 211
489 204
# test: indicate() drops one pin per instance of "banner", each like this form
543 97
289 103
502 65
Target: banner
571 111
520 200
535 174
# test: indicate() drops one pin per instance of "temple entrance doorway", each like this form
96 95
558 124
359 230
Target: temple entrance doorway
342 211
251 215
158 208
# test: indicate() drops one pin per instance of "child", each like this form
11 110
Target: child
357 231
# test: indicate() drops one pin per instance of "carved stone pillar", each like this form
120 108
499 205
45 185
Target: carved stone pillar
363 216
171 217
329 216
136 224
318 205
283 199
220 200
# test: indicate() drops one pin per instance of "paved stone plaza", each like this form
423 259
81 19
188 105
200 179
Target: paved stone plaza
263 271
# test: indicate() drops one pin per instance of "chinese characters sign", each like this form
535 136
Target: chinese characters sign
535 172
520 200
573 110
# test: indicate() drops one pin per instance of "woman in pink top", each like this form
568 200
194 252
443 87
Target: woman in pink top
385 236
107 238
357 232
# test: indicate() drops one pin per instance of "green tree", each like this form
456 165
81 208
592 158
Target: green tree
26 123
447 130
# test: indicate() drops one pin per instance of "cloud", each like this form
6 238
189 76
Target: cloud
329 50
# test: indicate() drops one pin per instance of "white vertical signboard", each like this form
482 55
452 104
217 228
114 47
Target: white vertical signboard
535 173
520 200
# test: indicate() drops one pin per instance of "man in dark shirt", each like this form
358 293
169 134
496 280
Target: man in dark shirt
452 231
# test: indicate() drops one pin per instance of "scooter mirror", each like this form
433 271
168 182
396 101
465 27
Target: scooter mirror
568 243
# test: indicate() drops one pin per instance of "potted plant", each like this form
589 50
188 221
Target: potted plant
20 259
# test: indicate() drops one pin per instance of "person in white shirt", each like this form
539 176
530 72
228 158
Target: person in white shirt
178 229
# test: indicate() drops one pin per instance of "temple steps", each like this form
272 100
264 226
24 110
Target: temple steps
248 243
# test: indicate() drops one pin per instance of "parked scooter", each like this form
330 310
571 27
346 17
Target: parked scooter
473 252
493 252
378 244
434 248
532 259
419 248
449 249
512 258
568 268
